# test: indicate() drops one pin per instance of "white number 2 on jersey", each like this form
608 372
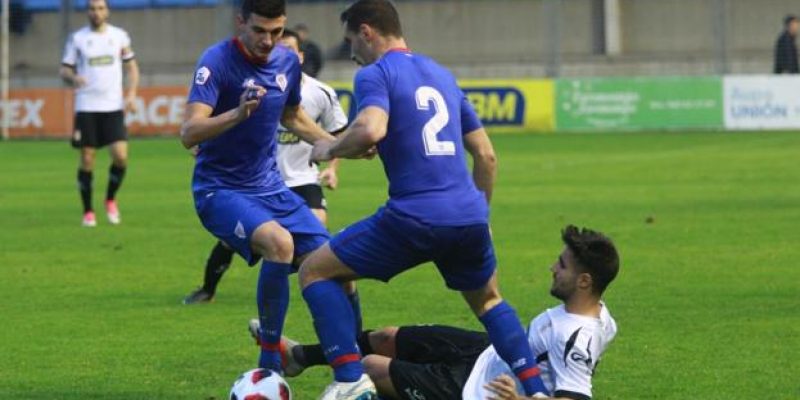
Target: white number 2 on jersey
433 146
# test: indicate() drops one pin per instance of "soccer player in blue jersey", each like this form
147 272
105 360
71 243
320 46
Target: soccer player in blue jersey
242 89
412 109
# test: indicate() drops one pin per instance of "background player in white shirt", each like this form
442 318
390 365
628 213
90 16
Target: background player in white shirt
322 105
430 362
93 61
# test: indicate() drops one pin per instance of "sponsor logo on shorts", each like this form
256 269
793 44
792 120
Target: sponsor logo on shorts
239 230
414 394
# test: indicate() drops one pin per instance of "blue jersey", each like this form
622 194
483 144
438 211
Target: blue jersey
423 151
243 158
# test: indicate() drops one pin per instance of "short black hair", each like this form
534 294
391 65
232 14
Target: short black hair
379 14
288 33
263 8
788 19
596 254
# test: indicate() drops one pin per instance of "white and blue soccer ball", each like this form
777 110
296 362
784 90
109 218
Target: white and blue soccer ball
260 384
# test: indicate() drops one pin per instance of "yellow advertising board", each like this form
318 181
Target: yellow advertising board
505 104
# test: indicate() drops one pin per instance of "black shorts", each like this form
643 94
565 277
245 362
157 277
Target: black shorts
434 361
97 129
312 194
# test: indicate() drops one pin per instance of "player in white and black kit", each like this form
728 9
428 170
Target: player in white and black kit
93 63
430 362
321 104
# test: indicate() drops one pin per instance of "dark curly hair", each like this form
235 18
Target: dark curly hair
595 253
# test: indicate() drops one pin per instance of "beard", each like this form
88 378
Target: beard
559 293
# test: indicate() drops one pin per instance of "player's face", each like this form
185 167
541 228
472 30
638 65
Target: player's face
260 34
291 43
793 27
98 12
360 51
565 275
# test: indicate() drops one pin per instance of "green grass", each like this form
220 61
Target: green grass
707 301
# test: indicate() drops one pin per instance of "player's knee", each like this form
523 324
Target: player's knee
87 160
377 367
383 341
273 242
306 274
312 270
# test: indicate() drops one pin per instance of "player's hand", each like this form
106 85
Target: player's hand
79 81
503 388
321 151
130 102
249 100
328 178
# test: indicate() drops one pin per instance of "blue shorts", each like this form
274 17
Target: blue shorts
388 243
233 217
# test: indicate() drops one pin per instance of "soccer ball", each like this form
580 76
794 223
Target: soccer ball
260 384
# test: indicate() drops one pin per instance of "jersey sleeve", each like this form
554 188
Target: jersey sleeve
333 118
208 79
370 89
296 80
127 51
70 52
469 119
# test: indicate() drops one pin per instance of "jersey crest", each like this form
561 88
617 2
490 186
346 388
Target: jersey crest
202 75
280 79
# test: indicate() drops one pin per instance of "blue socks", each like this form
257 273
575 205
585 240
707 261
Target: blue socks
272 297
355 304
511 344
334 323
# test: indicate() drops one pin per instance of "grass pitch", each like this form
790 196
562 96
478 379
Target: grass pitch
707 301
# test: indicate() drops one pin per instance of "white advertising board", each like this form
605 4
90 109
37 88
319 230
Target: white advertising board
761 102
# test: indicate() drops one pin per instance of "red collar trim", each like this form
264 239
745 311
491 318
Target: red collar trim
399 49
246 54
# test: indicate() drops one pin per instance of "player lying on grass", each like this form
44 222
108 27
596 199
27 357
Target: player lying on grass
441 362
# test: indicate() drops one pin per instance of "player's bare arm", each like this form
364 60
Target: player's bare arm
132 77
296 120
484 169
70 76
359 139
199 126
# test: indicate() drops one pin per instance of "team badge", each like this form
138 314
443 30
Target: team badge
281 81
202 75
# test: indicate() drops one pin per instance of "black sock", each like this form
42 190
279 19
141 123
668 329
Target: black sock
85 188
218 262
115 176
312 354
363 343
